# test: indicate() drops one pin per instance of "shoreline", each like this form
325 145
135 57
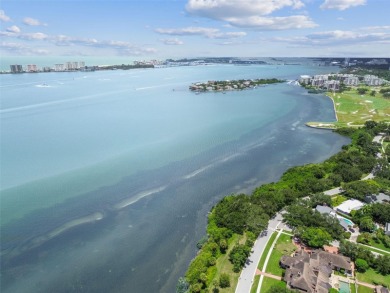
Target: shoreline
322 125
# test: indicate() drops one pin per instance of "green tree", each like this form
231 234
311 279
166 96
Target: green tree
223 245
224 281
367 224
383 264
316 237
362 91
361 265
196 287
182 286
238 256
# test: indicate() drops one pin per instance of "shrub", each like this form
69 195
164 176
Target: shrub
224 281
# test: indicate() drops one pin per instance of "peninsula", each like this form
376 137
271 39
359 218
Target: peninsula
231 85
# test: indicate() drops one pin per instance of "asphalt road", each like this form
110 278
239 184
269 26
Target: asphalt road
248 272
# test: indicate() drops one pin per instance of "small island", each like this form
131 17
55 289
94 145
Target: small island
231 85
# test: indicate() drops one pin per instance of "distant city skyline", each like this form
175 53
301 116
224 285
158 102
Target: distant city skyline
162 29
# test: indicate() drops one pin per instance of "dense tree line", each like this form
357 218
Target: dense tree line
380 263
249 214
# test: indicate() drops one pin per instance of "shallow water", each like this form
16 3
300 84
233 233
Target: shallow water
107 177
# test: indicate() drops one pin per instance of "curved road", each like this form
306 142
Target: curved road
248 272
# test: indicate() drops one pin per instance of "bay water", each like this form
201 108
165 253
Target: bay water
107 177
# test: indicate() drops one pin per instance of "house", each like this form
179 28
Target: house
311 272
350 205
328 211
377 198
325 210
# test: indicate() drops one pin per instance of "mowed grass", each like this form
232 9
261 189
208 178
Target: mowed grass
269 282
353 109
255 284
266 249
363 289
371 277
356 109
282 247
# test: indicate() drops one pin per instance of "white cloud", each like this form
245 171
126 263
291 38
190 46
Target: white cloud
121 47
32 22
253 14
341 4
220 9
33 36
188 31
18 48
174 41
337 38
211 33
273 23
4 17
376 28
13 29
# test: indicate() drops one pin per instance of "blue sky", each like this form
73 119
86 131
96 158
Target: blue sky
159 29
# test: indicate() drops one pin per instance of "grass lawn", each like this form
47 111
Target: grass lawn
223 265
363 289
282 247
352 287
370 276
338 200
353 109
269 282
373 249
266 249
379 245
255 284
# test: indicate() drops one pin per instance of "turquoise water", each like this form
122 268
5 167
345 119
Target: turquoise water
107 177
344 287
349 222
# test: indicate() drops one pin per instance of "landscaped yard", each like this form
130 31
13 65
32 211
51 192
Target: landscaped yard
363 289
282 247
269 282
372 277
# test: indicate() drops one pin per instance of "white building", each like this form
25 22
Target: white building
59 67
319 80
32 68
350 205
351 80
305 79
372 80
